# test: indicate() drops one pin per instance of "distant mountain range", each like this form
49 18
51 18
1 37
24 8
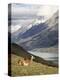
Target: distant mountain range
42 35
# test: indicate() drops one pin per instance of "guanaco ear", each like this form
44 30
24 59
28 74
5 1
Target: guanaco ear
32 57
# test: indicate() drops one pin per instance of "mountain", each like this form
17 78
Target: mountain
42 35
34 30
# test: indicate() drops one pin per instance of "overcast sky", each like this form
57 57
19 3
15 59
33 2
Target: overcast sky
22 14
26 10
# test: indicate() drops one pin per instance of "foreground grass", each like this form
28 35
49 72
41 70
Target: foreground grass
33 69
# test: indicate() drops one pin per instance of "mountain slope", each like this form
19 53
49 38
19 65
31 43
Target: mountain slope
41 35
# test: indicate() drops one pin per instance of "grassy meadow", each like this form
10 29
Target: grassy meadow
34 69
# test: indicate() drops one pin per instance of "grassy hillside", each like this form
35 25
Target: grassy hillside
34 69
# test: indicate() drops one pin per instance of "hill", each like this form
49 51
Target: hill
38 66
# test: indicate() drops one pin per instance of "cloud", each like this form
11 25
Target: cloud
47 11
23 11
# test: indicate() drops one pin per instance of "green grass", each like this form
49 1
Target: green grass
33 69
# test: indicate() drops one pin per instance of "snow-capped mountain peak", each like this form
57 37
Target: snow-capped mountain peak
15 28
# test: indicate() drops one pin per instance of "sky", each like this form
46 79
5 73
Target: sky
24 14
23 10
